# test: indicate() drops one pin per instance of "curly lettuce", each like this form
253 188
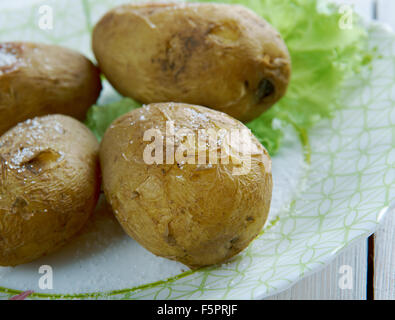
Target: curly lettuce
323 56
99 118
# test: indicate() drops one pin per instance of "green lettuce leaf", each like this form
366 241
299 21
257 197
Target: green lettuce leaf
322 53
99 118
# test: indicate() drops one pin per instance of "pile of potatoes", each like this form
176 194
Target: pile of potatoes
196 66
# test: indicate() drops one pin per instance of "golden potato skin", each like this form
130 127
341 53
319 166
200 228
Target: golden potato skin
49 186
39 79
196 214
220 56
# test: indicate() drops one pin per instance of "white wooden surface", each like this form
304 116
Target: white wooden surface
325 284
384 264
386 12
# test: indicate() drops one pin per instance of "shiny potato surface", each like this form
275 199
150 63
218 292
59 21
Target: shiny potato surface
49 185
39 79
197 213
220 56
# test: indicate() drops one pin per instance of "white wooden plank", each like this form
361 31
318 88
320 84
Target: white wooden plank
324 285
362 7
386 12
384 266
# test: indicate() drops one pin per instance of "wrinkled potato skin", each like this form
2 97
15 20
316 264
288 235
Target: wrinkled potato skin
196 214
214 55
39 79
49 185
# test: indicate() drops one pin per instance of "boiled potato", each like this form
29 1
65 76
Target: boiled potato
39 79
220 56
198 213
49 186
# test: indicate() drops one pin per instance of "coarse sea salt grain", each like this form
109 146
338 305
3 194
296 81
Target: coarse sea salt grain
7 59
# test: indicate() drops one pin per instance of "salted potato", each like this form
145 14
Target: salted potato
49 186
220 56
186 207
38 79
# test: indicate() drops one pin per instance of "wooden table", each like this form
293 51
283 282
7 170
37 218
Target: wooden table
372 261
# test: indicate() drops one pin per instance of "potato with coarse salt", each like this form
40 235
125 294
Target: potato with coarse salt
39 79
195 209
49 186
221 56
